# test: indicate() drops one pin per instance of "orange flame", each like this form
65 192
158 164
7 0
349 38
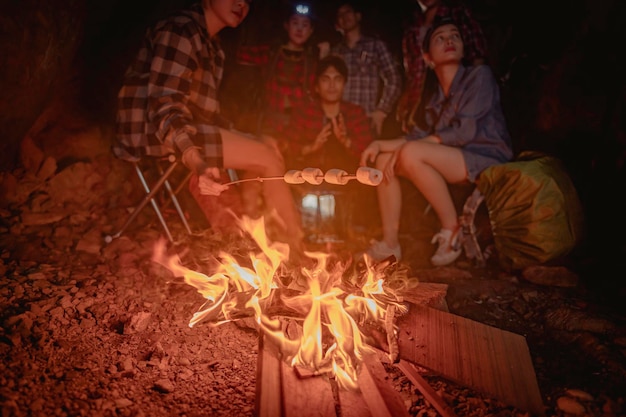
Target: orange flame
328 309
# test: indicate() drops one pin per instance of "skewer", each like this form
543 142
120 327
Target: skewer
315 176
259 179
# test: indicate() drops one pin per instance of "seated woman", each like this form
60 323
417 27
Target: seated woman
460 131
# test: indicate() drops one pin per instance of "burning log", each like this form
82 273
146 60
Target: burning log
392 340
283 391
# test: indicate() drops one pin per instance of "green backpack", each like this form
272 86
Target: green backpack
534 210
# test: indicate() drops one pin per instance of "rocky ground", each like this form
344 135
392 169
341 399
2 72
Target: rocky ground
89 329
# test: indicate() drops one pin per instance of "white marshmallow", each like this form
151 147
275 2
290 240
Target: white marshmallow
313 176
294 177
336 176
369 176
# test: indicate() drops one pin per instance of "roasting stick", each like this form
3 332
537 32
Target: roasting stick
259 179
315 176
424 387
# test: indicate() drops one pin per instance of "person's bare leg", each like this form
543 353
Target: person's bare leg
261 159
430 167
390 203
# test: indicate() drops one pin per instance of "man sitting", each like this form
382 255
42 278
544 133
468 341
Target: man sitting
329 132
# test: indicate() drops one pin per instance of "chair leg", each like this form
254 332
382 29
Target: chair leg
174 200
149 198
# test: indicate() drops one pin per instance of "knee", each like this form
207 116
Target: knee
381 161
410 158
271 162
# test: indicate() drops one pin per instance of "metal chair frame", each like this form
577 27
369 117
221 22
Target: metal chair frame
162 183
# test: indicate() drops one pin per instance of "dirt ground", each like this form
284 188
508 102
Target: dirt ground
90 329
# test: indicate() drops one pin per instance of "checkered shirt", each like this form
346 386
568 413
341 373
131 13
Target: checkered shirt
474 46
308 119
369 63
286 81
168 101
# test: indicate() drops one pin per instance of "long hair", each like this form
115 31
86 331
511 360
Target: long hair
431 83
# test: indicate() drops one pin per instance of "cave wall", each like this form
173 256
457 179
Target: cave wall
38 41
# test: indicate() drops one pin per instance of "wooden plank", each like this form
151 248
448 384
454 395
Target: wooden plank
352 404
310 396
490 360
424 387
281 392
268 401
379 395
431 294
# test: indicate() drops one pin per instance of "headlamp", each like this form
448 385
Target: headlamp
302 9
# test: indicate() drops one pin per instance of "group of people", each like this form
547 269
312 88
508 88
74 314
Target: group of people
323 106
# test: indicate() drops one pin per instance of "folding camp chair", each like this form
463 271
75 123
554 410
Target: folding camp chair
162 184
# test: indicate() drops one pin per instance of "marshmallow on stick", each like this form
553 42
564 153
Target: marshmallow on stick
336 176
313 176
294 177
369 176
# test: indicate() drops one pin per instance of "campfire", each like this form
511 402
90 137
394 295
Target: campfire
323 318
314 315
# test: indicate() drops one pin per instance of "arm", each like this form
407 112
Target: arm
357 128
390 76
168 92
379 146
303 130
170 108
414 70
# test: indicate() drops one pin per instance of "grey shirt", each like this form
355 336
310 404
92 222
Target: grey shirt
471 119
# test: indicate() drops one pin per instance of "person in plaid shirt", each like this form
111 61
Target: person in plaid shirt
168 105
413 61
375 80
330 132
288 70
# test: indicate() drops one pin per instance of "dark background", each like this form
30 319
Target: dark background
560 64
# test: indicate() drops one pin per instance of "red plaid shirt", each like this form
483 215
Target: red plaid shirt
307 121
474 44
288 76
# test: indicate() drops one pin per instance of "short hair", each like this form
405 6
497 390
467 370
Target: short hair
331 61
356 6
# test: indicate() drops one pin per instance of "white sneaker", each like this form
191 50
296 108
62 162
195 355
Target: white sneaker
449 247
380 250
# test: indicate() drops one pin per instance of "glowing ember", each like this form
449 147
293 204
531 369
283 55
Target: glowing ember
330 340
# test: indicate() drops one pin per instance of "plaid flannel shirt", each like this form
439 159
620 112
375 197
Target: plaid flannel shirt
168 102
284 79
370 62
308 119
474 46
